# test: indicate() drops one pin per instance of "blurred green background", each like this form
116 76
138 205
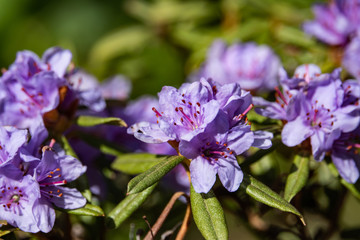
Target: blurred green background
154 43
160 42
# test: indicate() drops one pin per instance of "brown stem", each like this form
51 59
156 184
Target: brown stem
185 224
156 227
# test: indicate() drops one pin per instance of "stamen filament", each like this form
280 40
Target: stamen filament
281 95
53 183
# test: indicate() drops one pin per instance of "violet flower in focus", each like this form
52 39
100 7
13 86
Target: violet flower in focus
322 118
215 154
208 122
253 67
19 196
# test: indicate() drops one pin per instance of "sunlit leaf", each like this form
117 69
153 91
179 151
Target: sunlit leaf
67 147
90 121
87 210
126 207
298 177
119 43
154 174
208 215
136 163
264 194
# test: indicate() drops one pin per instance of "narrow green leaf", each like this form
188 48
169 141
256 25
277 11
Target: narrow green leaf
136 163
90 121
87 210
354 189
118 43
298 177
264 194
6 229
126 207
82 181
67 148
208 215
6 232
154 174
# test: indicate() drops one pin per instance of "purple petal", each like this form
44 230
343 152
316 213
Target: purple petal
71 167
203 175
44 214
58 58
240 138
149 133
295 132
262 139
347 165
230 173
70 198
117 88
317 145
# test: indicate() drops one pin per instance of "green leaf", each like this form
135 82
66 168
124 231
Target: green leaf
82 181
6 229
90 121
293 35
264 194
126 207
298 177
154 174
118 43
67 148
136 163
353 188
208 215
87 210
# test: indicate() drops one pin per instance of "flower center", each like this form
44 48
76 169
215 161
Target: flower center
212 152
11 197
188 115
320 118
32 98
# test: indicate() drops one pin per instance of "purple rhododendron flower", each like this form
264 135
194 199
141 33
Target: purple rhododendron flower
215 153
252 67
209 122
193 109
351 59
335 23
38 92
345 155
55 170
11 139
27 101
116 88
87 90
321 117
30 89
287 106
182 114
19 198
351 92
